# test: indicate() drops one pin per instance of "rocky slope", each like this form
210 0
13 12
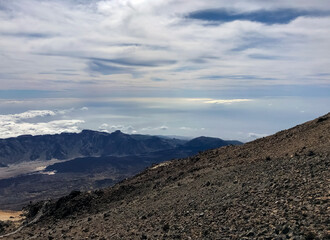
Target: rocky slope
272 188
128 155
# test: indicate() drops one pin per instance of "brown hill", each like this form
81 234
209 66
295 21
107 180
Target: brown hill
272 188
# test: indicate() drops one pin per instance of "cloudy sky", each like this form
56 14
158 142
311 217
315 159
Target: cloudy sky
231 69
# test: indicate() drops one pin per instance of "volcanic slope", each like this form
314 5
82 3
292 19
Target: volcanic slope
272 188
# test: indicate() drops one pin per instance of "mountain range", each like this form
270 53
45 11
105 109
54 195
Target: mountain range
50 166
90 143
275 187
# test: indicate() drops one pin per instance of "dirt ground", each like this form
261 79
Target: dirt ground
10 215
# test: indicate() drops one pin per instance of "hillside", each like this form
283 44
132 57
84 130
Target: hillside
272 188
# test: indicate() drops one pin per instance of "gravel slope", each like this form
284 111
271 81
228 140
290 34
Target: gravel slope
272 188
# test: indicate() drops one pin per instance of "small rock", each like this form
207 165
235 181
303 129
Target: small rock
286 230
310 153
250 234
166 227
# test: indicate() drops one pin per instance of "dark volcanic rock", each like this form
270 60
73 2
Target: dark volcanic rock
271 188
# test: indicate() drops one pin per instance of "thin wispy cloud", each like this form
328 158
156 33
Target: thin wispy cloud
141 41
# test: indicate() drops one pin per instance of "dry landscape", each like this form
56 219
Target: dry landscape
10 215
272 188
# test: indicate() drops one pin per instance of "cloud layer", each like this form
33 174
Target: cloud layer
12 125
213 67
124 43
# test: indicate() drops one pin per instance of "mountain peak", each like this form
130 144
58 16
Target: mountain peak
117 132
88 131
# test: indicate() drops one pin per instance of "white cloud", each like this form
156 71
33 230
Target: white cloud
219 101
163 128
13 125
153 129
253 136
104 126
27 115
64 111
143 40
191 129
82 51
107 128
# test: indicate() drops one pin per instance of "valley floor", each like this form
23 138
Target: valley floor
10 215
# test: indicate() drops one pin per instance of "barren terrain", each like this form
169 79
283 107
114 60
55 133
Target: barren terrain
272 188
10 215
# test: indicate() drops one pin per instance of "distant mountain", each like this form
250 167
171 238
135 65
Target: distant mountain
89 160
205 143
87 143
275 187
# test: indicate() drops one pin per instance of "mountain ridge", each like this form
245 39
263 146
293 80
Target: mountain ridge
87 143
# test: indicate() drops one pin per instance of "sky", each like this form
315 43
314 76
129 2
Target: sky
230 69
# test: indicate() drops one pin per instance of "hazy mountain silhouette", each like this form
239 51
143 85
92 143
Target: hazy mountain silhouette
85 144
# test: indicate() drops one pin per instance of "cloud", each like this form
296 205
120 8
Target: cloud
107 128
27 115
253 136
163 128
191 129
104 126
13 125
154 129
143 62
107 69
155 79
192 61
274 16
219 101
135 41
